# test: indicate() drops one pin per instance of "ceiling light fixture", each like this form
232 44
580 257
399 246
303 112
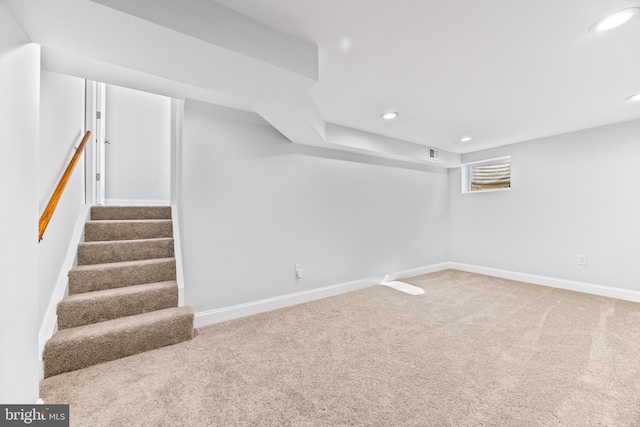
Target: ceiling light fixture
466 139
345 44
390 115
615 19
635 97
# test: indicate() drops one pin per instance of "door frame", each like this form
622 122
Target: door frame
95 103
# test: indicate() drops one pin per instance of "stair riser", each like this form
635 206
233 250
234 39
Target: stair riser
128 212
72 313
105 231
106 252
83 351
81 281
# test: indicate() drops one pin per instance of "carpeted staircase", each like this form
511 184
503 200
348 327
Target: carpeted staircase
123 295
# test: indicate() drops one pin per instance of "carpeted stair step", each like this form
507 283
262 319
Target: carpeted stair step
98 277
127 229
130 212
77 348
124 250
123 294
94 307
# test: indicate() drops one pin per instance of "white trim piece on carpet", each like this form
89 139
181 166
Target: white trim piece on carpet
404 287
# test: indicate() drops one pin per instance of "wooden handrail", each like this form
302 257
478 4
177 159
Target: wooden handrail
57 193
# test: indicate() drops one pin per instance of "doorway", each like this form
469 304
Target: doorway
132 151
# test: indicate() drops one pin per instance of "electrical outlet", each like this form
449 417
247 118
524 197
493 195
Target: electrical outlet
298 271
582 260
416 251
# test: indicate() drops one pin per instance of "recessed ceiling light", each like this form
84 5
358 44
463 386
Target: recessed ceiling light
466 139
615 19
635 97
390 115
345 44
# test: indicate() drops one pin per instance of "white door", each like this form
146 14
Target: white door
136 169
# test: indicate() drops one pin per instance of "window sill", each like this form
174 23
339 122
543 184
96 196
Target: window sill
486 191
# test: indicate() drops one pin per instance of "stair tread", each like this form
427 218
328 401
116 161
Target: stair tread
84 346
97 277
127 229
134 289
108 251
113 212
109 327
112 265
126 221
104 305
125 242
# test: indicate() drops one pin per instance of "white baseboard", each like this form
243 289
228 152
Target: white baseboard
50 322
218 315
572 285
233 312
241 310
134 202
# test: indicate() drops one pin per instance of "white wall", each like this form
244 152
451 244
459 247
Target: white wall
19 86
61 130
573 194
137 159
252 205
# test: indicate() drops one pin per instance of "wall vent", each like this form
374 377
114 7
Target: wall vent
434 154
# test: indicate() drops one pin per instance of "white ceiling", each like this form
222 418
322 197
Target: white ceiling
501 71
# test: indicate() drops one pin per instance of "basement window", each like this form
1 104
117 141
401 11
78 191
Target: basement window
487 175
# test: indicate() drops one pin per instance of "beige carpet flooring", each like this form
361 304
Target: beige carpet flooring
471 351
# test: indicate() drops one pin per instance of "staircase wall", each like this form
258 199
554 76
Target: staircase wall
20 71
61 129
